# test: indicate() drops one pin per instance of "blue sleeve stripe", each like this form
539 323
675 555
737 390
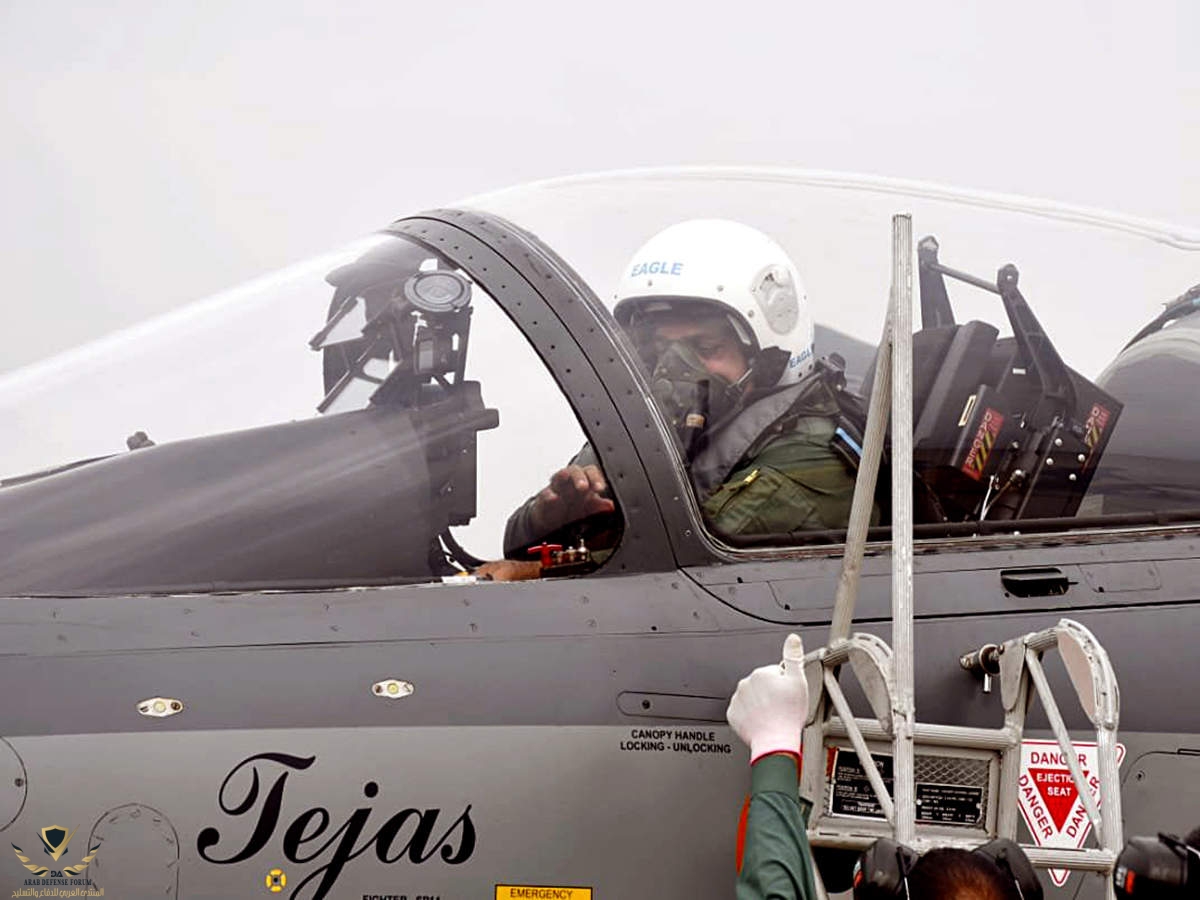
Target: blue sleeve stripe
853 444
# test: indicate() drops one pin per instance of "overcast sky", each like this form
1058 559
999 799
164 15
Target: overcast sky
154 153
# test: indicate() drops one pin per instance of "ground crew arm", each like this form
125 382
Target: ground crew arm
774 860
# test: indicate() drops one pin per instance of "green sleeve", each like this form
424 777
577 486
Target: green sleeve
776 863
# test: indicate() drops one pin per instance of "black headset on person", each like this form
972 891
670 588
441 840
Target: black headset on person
882 870
1161 867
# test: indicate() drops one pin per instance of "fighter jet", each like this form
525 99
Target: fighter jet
245 652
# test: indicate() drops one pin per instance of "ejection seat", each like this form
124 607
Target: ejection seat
1002 428
950 364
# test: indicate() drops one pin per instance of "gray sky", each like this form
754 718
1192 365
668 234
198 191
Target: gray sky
154 153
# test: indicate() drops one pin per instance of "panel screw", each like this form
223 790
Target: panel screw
392 689
159 707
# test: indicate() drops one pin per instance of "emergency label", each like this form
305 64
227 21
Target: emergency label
1049 800
541 892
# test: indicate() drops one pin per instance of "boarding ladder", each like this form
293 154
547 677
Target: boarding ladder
983 762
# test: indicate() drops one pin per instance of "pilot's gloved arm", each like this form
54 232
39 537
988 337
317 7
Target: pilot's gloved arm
529 525
768 711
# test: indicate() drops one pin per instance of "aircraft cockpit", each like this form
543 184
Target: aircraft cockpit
464 533
384 414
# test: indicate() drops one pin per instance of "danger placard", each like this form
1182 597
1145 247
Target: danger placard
1049 800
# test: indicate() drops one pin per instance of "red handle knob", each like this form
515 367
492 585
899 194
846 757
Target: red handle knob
545 551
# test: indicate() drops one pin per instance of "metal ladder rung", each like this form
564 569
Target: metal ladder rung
1088 860
1041 857
932 735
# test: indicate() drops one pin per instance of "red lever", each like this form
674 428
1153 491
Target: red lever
545 551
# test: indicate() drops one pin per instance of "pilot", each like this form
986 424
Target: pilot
718 314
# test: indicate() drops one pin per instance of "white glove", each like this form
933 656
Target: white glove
770 705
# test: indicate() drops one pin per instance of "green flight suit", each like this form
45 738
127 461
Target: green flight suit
774 468
795 482
774 860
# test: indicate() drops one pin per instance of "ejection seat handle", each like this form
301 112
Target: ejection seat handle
545 553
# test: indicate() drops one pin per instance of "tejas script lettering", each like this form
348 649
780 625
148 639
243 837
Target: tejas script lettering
411 833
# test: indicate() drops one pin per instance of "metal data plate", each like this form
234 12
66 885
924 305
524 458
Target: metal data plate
950 804
953 789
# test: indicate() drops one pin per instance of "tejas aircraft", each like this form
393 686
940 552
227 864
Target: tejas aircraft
246 657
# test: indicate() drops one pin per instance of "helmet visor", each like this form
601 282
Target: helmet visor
718 336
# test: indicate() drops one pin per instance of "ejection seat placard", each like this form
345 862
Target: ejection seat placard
850 793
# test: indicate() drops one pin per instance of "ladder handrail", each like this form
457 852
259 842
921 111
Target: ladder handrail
904 702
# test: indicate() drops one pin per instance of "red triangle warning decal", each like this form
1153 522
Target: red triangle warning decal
1048 799
1057 788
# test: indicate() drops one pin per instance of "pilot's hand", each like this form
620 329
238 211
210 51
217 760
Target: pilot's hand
574 493
509 570
770 706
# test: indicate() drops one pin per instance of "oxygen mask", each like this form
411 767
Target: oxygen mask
689 394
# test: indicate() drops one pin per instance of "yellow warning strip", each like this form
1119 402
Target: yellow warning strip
541 892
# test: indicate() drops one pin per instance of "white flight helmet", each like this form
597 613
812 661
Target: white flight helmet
730 265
